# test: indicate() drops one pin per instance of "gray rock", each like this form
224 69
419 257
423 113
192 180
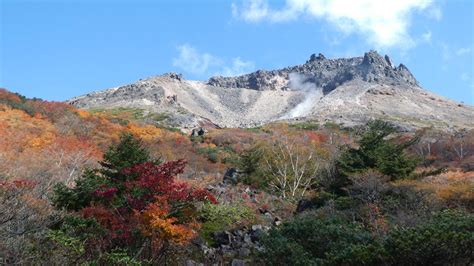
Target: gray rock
223 238
255 235
197 132
277 221
237 262
244 252
231 176
256 227
313 58
247 239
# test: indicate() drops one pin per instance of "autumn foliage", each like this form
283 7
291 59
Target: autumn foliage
117 187
136 201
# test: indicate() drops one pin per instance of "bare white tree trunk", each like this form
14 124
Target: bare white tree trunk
293 167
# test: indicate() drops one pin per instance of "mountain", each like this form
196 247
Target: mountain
347 91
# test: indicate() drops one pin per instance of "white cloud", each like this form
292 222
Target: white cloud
434 12
198 63
383 23
463 51
465 77
448 52
238 67
255 10
192 61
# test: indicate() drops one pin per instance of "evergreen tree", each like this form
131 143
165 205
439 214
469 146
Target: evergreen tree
250 165
376 151
132 203
125 154
128 152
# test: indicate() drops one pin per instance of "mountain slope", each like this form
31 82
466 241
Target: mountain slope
348 91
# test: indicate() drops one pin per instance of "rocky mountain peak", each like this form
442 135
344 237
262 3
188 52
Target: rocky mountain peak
344 90
172 76
374 58
389 61
324 73
314 58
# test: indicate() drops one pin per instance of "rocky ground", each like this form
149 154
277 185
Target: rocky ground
348 91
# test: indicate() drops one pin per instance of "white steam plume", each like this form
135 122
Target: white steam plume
312 95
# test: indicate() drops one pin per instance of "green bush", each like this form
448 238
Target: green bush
72 235
80 196
447 238
213 157
122 112
212 154
309 240
216 218
73 247
158 117
305 125
117 257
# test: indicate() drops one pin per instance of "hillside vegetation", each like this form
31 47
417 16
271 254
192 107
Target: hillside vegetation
122 187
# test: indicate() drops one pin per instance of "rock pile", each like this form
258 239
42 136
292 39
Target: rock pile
232 245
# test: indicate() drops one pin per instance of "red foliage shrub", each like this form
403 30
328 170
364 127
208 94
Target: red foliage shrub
151 201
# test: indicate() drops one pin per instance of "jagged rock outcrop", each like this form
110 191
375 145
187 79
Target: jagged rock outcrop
346 90
324 73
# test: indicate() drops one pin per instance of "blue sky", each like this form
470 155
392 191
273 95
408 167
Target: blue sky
59 49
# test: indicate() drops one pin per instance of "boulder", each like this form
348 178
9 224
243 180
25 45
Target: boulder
223 238
196 132
256 234
231 176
